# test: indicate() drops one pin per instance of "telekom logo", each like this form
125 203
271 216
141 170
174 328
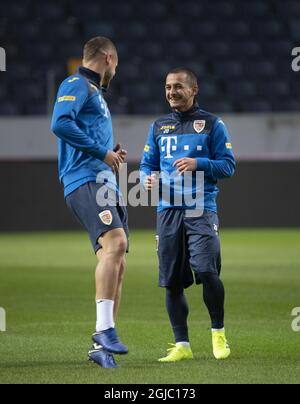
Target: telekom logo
168 148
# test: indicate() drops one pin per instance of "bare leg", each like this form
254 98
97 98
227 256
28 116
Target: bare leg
119 289
118 295
114 245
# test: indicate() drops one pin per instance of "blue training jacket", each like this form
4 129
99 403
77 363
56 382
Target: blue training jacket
83 125
194 134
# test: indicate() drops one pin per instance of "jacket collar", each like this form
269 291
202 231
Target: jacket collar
92 76
188 114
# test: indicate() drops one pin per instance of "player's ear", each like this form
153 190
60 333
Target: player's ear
195 90
108 58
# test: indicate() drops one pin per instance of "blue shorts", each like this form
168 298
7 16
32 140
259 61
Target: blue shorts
187 246
95 219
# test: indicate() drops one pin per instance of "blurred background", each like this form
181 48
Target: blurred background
241 52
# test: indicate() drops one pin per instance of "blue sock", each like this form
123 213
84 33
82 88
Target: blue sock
214 297
178 310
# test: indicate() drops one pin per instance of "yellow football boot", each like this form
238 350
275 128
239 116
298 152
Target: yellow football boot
177 353
220 345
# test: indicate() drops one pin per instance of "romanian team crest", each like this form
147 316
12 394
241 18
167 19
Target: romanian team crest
199 126
106 217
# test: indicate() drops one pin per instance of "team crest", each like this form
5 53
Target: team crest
106 217
199 126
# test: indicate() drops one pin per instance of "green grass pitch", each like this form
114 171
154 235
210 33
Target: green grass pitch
47 289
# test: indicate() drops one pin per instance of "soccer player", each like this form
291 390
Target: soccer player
82 123
186 141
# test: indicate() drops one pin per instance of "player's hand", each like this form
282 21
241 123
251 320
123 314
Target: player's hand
123 153
150 182
114 160
186 165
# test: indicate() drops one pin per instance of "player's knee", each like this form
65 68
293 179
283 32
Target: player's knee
118 247
208 277
174 293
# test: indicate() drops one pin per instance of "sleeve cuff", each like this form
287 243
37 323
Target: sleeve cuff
100 153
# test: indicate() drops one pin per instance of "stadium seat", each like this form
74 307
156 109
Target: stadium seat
182 49
222 8
239 29
10 109
295 29
87 12
245 49
15 11
135 31
100 27
228 69
265 69
153 10
151 50
151 108
288 8
240 51
190 9
268 30
50 11
206 30
128 71
216 107
285 105
273 89
208 89
252 9
241 89
260 105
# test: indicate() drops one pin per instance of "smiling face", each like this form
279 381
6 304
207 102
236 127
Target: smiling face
180 91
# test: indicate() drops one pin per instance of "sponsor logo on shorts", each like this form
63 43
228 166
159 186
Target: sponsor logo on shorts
106 217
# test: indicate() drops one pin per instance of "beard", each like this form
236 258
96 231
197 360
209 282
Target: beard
108 76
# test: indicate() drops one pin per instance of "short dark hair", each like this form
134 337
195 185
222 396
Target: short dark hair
190 73
95 46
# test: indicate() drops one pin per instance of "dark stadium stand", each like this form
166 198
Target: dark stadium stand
241 51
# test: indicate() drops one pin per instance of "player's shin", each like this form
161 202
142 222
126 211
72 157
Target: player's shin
118 296
107 284
178 311
214 298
